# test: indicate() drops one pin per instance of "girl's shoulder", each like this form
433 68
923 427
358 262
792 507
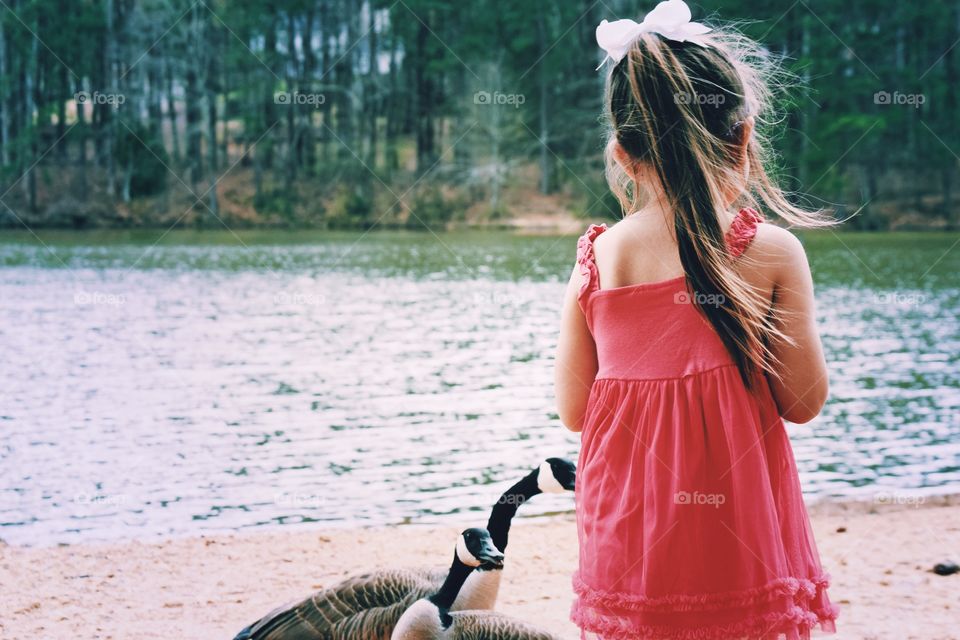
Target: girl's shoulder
775 250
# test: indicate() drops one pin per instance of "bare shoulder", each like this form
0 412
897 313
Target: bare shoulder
776 251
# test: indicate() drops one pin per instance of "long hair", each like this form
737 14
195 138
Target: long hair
678 109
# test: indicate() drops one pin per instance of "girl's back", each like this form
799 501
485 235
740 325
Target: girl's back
646 326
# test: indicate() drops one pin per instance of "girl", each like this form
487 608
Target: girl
687 334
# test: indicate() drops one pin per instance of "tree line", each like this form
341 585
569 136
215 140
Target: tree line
363 113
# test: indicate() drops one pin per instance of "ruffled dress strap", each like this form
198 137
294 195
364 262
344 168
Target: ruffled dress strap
588 264
742 231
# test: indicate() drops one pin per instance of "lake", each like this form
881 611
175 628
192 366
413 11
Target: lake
199 382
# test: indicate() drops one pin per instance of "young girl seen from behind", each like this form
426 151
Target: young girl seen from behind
687 336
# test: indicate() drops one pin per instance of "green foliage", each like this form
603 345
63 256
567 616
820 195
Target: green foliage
146 158
430 209
414 114
351 208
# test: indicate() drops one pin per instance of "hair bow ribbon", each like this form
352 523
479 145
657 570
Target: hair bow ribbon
671 19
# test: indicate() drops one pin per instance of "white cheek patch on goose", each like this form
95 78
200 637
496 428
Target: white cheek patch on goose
546 481
464 555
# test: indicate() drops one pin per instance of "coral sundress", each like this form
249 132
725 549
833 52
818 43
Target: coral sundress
691 521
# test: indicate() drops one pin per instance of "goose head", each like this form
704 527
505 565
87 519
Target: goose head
475 548
429 617
556 475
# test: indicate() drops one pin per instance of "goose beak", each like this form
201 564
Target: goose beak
490 556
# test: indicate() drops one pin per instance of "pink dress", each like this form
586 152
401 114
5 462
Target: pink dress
691 521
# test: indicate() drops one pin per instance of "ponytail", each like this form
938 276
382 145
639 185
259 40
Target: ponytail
678 108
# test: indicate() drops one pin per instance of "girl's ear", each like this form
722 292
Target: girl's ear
746 134
623 158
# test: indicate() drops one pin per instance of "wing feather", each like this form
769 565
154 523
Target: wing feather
489 625
365 606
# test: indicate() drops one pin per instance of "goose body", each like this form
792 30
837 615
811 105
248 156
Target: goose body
430 618
365 606
368 606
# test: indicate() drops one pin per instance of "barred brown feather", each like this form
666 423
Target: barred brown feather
364 607
489 625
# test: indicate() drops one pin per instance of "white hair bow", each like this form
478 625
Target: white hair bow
671 19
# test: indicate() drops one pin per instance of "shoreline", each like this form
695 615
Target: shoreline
894 501
880 555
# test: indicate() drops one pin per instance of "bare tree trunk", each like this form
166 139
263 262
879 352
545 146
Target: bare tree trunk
308 145
394 117
372 93
290 175
193 102
31 127
326 56
81 187
946 178
545 162
105 110
172 114
345 128
423 96
211 89
212 148
64 90
4 95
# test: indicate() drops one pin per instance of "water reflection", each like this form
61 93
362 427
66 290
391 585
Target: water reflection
346 388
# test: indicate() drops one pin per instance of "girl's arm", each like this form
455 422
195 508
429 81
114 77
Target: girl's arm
802 389
576 361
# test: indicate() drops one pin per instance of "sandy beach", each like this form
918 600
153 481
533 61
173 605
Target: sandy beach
880 555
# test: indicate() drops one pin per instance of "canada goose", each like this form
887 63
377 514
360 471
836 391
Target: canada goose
330 613
554 475
431 618
364 598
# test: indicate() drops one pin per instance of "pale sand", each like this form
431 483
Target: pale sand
212 587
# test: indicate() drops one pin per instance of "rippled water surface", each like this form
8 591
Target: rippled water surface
221 381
